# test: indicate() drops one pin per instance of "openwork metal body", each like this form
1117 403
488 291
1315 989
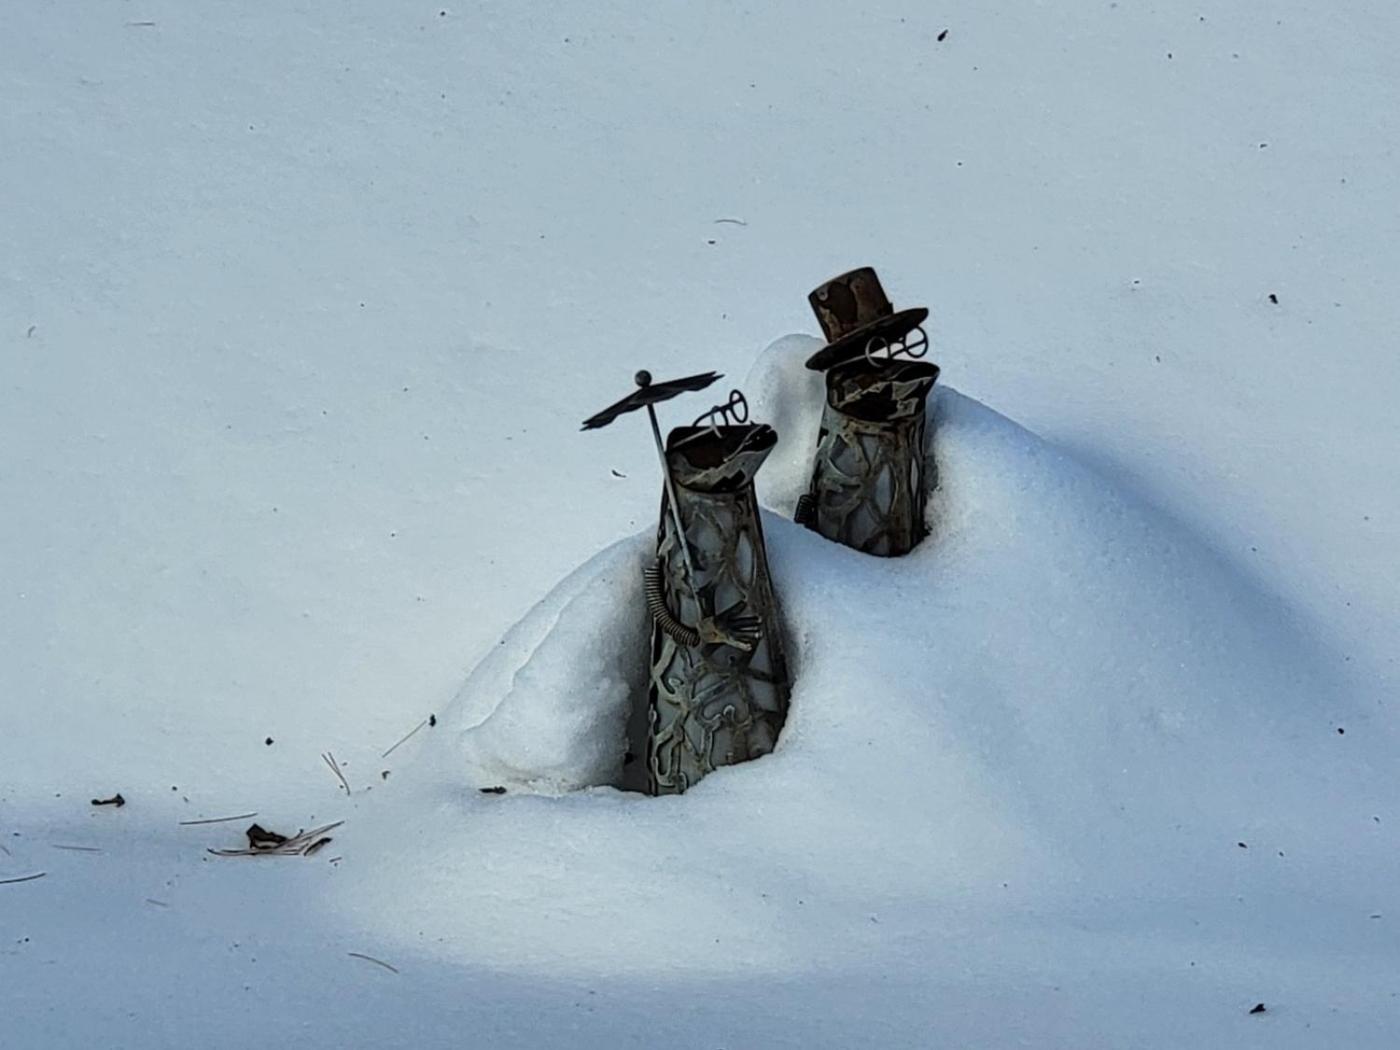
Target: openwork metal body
719 691
870 482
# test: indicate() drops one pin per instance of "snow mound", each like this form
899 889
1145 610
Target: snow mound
548 708
788 396
1059 672
1061 730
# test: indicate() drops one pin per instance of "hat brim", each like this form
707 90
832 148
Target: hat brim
853 343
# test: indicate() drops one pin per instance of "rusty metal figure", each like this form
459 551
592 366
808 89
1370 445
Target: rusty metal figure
719 684
871 479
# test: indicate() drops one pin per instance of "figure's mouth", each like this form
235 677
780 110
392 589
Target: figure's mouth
881 391
722 456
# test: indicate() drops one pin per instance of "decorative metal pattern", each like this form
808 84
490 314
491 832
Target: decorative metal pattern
869 487
718 692
719 683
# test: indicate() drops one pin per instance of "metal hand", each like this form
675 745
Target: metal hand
731 628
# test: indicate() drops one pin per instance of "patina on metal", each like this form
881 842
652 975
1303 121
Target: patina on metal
718 690
871 478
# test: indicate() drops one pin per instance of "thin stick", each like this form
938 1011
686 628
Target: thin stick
371 958
404 738
671 494
77 849
24 878
295 846
329 759
736 222
158 904
219 820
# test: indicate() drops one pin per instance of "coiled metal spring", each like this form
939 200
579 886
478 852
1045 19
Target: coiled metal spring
656 605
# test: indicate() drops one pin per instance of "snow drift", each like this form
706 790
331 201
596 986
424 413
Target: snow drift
1061 693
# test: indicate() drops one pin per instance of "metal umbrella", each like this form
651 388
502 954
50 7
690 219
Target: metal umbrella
647 395
730 628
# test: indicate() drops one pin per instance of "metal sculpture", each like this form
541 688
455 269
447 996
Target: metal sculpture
718 691
870 481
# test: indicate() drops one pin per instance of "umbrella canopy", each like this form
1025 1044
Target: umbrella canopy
649 393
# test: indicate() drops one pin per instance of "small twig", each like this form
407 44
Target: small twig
158 904
371 958
329 759
732 222
24 878
220 820
132 24
115 800
296 846
405 737
77 849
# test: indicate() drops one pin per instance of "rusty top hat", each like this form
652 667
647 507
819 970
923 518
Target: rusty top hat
853 309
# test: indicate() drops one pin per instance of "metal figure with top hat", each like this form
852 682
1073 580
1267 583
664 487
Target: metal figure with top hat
871 479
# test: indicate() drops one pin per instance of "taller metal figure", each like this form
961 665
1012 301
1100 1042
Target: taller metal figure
869 483
719 685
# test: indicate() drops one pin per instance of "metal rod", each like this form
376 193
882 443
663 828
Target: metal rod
671 498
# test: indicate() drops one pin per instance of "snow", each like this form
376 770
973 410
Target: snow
1155 706
548 709
299 313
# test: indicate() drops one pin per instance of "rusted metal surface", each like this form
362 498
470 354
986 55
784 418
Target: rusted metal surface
718 686
853 310
871 475
719 692
870 480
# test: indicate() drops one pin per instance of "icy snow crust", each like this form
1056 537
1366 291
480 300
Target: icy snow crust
1059 695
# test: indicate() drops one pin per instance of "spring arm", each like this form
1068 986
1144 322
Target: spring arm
660 614
806 511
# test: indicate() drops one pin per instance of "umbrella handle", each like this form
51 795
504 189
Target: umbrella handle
670 492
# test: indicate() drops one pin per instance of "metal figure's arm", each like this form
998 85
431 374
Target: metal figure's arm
806 510
727 628
656 605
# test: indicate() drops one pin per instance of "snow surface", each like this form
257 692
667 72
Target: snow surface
1156 709
299 311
